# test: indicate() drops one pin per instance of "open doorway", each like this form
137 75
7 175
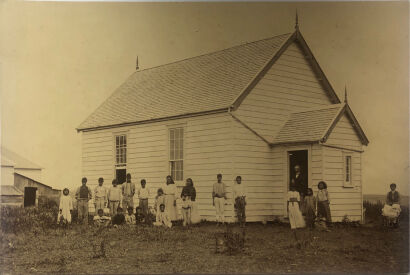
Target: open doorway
30 196
121 175
298 158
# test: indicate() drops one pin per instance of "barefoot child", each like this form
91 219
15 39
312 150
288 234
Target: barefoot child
65 209
323 202
186 210
162 218
310 208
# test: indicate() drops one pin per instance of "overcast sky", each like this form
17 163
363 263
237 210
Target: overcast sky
60 61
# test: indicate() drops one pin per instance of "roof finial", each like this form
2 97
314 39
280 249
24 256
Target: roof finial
345 94
297 21
136 65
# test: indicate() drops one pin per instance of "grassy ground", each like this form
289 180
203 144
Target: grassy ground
268 248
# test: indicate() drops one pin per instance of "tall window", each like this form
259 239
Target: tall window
121 150
176 153
120 158
348 171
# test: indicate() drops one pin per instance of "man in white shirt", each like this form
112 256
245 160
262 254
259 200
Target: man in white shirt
143 195
100 196
239 196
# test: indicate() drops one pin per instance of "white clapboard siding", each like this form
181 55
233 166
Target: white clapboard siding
345 201
344 135
261 170
207 152
289 85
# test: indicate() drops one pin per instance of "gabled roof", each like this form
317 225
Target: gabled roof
9 157
314 125
10 190
194 85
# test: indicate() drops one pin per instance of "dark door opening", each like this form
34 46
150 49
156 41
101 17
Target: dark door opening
30 196
121 175
298 158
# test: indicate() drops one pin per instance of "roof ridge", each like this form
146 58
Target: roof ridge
136 74
209 53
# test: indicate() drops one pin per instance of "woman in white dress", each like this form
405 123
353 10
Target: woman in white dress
295 216
170 193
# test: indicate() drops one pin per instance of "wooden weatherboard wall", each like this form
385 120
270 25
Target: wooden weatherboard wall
207 152
290 85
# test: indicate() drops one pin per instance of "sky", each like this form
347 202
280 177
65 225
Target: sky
60 61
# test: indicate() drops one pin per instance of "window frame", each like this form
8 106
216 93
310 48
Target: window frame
346 166
178 182
121 166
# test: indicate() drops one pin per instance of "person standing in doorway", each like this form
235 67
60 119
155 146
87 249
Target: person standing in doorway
128 191
299 181
100 196
83 195
218 199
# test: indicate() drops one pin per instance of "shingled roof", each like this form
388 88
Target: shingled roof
316 125
203 83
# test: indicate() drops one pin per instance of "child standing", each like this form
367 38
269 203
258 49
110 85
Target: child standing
239 195
143 195
162 218
295 216
130 217
218 199
186 210
310 208
323 202
65 209
114 197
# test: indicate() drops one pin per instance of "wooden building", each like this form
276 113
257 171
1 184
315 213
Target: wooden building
20 181
253 110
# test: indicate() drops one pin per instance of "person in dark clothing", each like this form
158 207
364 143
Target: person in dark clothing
393 197
299 180
83 195
119 218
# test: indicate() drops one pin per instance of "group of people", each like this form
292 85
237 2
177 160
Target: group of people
303 206
110 202
309 206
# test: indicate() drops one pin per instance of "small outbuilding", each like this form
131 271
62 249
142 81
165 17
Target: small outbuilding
255 110
20 181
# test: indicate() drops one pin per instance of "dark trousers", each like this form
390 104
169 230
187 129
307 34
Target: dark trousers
323 210
144 208
240 209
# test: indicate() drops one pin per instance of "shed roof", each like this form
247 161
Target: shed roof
316 125
10 157
203 83
10 190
